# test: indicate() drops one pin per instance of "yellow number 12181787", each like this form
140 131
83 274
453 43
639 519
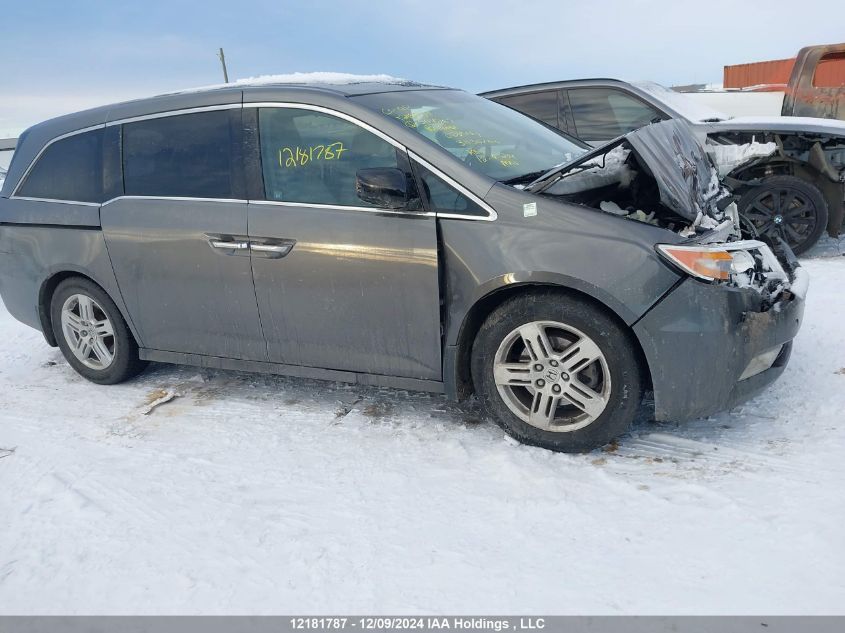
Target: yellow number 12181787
301 156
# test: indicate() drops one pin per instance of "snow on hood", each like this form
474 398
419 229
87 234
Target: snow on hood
688 108
799 124
315 78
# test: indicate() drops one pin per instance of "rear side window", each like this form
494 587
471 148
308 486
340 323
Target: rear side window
443 198
601 114
543 106
69 169
185 156
312 157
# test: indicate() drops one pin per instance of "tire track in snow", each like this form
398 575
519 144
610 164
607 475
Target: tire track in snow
685 452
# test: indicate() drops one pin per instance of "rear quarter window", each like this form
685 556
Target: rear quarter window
69 169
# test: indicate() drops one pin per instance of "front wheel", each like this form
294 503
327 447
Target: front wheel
556 372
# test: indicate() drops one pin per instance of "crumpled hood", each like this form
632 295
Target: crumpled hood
686 178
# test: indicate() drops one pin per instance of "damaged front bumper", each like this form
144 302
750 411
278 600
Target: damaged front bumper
710 347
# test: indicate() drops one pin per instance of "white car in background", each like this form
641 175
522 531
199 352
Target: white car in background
788 173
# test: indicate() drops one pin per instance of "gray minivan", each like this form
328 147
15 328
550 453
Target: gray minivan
397 234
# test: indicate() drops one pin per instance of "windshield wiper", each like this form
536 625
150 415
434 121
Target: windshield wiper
529 177
547 179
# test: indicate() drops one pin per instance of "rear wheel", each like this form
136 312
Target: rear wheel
556 372
92 334
787 207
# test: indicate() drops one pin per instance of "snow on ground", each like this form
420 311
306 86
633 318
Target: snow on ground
257 494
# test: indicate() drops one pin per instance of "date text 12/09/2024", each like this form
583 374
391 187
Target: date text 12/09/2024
455 623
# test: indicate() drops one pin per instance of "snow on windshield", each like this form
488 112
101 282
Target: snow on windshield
683 105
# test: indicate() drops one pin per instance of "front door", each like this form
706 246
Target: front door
178 238
340 284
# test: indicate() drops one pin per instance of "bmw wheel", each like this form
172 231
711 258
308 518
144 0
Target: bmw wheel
788 207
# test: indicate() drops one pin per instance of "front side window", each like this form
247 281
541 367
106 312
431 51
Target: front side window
69 169
487 136
186 155
542 106
602 114
313 157
443 198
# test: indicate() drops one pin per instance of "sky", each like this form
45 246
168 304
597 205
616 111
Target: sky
61 56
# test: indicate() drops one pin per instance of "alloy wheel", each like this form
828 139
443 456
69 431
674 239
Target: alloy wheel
88 331
552 376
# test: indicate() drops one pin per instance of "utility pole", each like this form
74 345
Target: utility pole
223 61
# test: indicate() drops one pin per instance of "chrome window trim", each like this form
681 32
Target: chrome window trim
492 215
343 207
169 113
32 163
76 202
336 113
176 199
274 203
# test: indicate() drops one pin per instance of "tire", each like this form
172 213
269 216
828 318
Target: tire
81 311
786 206
614 379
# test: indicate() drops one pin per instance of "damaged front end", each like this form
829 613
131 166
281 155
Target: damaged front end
661 175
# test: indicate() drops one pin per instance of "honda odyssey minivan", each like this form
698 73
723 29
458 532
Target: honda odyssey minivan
397 234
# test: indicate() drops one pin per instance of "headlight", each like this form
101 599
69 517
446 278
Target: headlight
740 262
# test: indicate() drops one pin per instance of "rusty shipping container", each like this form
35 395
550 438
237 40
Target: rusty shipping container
758 73
830 73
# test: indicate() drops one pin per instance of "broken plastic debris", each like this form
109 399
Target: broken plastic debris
611 207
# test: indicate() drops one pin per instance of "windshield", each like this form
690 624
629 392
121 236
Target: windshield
488 137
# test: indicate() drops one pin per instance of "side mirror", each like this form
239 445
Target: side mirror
385 187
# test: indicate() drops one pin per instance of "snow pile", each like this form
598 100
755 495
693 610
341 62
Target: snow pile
261 494
729 157
314 78
688 108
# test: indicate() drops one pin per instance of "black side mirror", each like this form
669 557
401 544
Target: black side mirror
385 187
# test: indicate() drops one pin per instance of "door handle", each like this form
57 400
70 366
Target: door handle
238 246
274 248
280 249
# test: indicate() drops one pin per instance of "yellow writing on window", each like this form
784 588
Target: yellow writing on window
301 156
448 133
